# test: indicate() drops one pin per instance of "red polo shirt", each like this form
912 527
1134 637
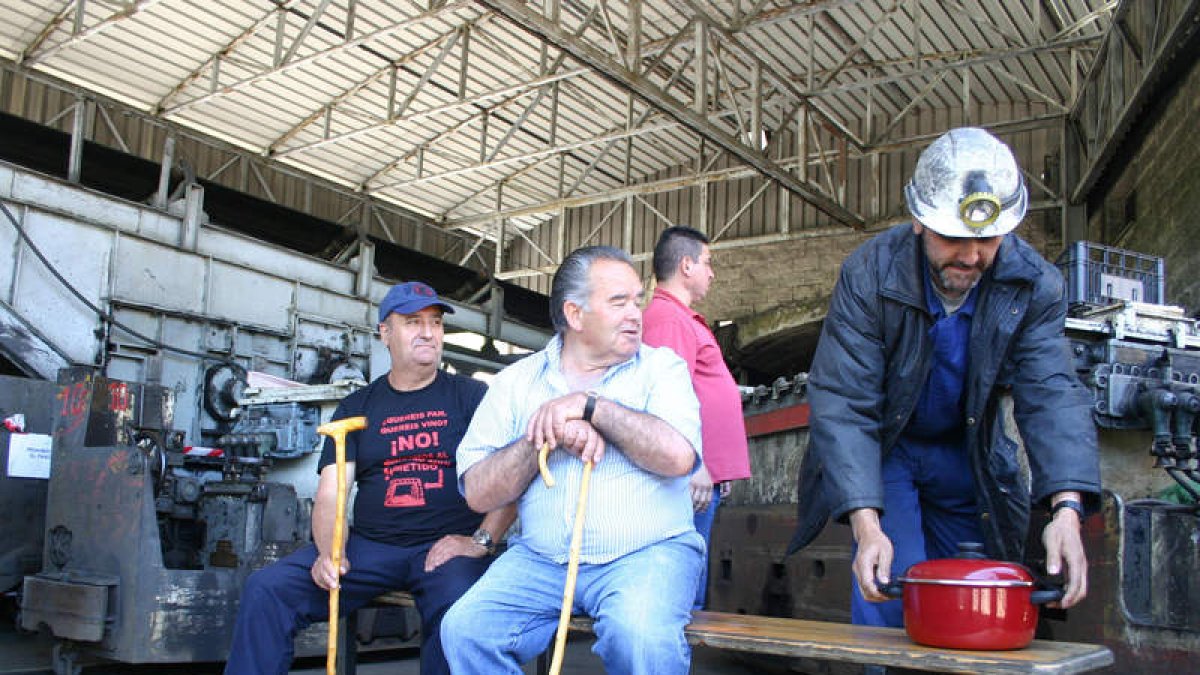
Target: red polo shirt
670 323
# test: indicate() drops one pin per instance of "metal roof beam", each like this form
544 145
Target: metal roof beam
539 26
653 187
953 61
529 156
325 112
284 66
31 55
508 93
781 82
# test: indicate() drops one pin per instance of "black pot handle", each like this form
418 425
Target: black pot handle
1053 594
892 589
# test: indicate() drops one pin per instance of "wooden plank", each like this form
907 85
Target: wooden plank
395 599
882 646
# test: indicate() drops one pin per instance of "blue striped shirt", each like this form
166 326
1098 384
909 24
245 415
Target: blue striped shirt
628 507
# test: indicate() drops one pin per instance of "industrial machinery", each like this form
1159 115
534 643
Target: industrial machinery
149 540
27 407
1141 360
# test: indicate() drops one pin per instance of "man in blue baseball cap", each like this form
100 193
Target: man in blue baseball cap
412 529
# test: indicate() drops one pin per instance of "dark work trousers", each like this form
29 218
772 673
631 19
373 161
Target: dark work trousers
929 508
280 600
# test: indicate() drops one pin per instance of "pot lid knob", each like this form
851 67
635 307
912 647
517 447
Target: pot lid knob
971 550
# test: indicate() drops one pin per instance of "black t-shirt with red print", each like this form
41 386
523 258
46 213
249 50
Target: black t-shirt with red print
404 459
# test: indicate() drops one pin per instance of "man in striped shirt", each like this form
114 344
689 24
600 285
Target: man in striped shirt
595 393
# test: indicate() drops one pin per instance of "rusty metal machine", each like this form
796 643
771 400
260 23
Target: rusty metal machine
1141 360
149 540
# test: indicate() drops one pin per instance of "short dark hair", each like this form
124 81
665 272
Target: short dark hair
673 245
571 280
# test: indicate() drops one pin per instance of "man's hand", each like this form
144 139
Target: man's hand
701 486
547 425
1064 545
450 546
324 574
582 440
874 557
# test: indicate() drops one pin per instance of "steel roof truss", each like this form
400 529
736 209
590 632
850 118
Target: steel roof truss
539 26
308 26
212 65
1053 102
78 32
284 66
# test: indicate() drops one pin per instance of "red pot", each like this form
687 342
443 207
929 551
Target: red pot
970 602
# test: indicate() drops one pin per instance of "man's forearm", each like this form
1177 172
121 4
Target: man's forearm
497 521
322 527
501 478
645 439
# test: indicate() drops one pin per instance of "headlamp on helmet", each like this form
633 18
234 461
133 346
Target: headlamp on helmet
979 207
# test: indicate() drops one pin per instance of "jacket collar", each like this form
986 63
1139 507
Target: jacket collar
904 276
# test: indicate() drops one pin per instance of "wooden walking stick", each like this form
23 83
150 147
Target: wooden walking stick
337 429
564 616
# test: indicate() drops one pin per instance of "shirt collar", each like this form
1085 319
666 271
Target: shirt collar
554 372
666 295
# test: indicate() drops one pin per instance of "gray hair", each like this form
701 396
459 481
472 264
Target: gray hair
570 282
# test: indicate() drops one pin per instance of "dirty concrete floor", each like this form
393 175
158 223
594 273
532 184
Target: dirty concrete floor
22 654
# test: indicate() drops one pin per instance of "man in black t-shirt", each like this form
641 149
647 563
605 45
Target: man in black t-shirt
412 530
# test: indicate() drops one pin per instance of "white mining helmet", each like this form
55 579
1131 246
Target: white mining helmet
967 184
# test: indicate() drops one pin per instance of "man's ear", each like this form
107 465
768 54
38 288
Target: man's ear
685 265
574 315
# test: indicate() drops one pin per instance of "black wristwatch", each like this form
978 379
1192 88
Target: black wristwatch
589 408
484 539
1072 504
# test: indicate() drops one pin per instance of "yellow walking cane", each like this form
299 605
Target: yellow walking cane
337 429
564 616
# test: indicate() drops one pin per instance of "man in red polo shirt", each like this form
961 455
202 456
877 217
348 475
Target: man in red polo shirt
683 269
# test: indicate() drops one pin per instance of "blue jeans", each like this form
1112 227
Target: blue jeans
929 507
640 602
704 523
281 599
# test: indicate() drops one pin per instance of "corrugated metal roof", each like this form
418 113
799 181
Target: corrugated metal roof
438 107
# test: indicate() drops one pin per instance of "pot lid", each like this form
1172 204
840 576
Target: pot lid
968 568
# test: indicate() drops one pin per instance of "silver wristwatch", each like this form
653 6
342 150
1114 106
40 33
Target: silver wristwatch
484 539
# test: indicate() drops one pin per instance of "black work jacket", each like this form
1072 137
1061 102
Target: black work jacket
874 357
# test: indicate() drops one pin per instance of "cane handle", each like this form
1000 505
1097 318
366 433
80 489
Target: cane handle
543 467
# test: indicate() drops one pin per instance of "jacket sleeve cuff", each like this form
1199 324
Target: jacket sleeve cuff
841 512
1090 494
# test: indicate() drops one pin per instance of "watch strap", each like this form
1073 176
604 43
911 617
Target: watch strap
589 408
484 539
1072 504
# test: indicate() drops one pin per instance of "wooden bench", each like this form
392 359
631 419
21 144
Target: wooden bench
800 638
869 645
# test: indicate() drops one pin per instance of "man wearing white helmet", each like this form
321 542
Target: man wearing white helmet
934 331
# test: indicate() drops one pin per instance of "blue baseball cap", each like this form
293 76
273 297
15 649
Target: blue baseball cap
410 297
